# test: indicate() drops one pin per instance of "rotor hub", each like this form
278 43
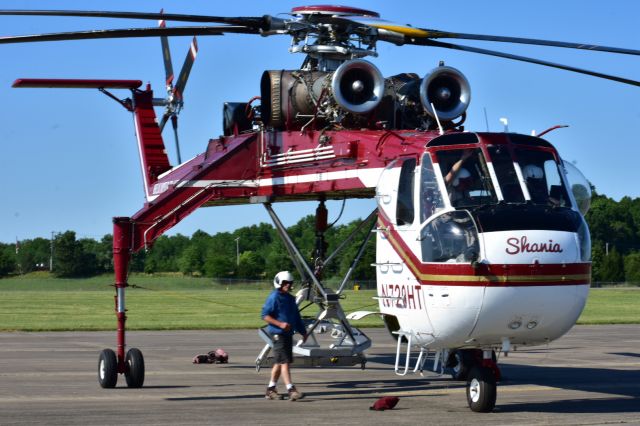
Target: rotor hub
329 35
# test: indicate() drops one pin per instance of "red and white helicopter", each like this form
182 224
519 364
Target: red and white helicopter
481 241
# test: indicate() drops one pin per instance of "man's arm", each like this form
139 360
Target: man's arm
457 166
280 324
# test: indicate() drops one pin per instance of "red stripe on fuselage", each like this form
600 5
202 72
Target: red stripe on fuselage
490 275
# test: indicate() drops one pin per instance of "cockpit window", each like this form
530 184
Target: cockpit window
466 177
404 208
542 177
431 201
506 174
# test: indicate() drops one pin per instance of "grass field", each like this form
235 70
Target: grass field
39 303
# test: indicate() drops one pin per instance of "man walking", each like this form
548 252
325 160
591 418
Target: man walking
280 311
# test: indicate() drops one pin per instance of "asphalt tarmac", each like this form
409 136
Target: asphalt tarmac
590 376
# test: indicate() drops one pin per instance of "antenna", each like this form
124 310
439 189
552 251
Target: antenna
486 120
435 114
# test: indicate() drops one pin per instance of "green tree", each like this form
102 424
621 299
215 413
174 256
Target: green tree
277 259
70 259
97 254
33 254
612 269
220 256
597 257
251 265
632 267
191 260
164 254
7 259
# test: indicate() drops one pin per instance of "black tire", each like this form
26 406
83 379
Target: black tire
134 368
481 390
460 361
107 369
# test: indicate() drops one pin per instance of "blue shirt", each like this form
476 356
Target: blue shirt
282 307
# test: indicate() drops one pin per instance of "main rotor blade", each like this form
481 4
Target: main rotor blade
174 122
166 54
186 69
413 33
253 22
428 42
532 41
130 33
164 119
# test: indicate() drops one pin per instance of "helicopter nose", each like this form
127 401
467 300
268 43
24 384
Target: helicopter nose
540 286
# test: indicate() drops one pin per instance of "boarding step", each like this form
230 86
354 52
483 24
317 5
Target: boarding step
409 339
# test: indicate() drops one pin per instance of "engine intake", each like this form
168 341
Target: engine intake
448 90
357 86
293 98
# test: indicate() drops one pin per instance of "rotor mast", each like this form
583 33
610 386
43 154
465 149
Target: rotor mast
327 40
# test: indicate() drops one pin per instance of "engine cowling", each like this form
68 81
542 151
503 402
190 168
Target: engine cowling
356 95
292 98
445 92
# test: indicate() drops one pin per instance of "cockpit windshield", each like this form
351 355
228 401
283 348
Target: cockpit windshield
466 177
542 177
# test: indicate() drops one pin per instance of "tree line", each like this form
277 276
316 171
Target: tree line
256 252
615 239
250 252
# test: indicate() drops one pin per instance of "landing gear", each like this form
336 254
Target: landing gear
112 363
347 344
481 389
134 368
460 361
107 369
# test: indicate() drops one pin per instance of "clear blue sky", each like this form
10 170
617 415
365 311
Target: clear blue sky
68 158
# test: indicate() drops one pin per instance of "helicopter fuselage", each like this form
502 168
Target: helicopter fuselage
518 269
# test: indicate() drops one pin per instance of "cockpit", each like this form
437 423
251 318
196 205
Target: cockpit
465 184
502 168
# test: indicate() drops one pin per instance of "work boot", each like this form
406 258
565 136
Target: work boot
294 395
272 393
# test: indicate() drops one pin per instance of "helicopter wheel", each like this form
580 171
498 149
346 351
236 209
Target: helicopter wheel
134 368
481 390
107 369
460 362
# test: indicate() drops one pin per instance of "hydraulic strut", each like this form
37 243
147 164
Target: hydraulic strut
348 342
122 234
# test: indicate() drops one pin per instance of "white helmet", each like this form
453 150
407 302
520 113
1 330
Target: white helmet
281 277
532 171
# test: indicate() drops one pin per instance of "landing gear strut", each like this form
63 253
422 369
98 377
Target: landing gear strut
481 382
348 343
111 363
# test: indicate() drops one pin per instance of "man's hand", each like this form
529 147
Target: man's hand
285 326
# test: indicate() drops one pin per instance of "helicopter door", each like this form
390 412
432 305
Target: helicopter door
400 293
395 192
448 241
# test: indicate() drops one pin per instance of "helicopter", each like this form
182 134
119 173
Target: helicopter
481 243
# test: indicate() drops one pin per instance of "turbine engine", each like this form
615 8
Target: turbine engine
291 99
356 95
